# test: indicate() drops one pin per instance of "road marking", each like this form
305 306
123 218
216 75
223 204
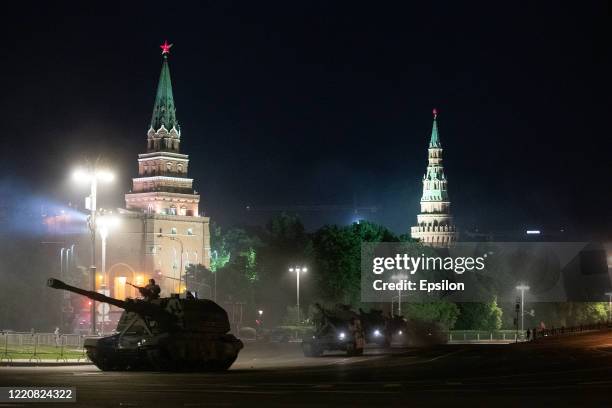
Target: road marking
445 355
352 392
596 382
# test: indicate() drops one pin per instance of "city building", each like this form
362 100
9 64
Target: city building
435 224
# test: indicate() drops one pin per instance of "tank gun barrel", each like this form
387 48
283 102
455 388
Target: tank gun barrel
140 307
98 297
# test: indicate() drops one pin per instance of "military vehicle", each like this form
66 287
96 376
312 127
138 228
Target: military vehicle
165 334
375 327
339 329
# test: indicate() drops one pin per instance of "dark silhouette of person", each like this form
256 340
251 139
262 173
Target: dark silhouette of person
151 291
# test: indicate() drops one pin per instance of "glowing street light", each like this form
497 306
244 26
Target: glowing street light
522 288
82 175
260 312
298 270
92 175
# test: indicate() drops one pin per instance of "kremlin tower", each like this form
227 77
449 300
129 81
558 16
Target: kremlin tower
161 231
435 224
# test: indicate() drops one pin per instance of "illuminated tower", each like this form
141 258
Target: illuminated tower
435 224
162 231
162 185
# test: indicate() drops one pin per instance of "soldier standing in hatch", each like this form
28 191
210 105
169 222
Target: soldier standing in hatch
149 292
153 290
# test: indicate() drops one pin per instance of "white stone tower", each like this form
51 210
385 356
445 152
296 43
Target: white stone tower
435 224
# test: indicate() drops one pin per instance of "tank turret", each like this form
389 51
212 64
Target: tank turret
162 334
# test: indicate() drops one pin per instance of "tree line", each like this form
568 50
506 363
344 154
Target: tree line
252 264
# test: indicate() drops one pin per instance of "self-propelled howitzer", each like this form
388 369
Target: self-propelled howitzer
338 329
162 334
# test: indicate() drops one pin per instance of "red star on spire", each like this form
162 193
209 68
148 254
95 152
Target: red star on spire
165 47
435 113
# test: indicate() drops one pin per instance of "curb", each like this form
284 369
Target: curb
44 364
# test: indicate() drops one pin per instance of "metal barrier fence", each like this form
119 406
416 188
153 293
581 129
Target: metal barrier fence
514 335
563 331
483 335
38 346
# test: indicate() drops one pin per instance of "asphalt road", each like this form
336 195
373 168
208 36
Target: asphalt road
570 371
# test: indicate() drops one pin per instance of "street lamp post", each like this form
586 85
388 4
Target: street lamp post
66 255
214 270
609 295
399 279
298 270
104 224
522 288
92 176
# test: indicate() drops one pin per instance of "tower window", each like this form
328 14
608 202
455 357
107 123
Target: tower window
173 230
189 231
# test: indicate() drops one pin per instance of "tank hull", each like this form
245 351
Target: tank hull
316 346
167 352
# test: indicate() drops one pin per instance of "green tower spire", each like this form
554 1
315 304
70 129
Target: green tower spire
164 111
435 139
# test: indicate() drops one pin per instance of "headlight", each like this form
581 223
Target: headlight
399 332
376 333
341 336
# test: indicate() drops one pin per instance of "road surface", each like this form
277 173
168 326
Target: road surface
570 371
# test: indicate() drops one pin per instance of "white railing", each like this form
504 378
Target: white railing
37 346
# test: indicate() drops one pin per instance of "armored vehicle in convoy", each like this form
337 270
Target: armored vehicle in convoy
375 327
171 333
380 329
338 329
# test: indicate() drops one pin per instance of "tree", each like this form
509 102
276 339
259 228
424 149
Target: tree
444 313
250 265
219 248
284 243
577 313
337 258
479 316
200 279
286 233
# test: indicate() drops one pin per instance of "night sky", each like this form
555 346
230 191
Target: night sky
323 103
